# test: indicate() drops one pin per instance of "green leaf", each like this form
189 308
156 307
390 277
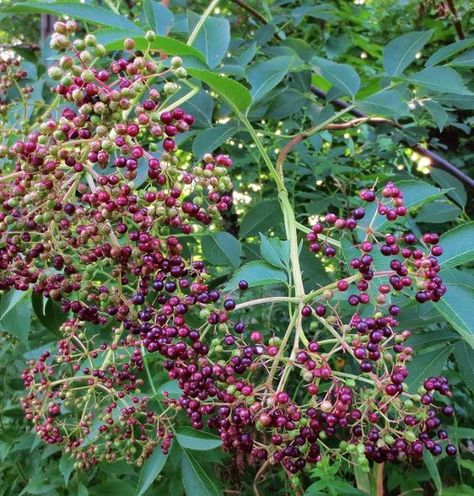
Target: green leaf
112 488
171 388
48 312
260 218
464 60
264 76
448 51
429 363
162 44
275 251
213 38
342 76
386 102
210 139
79 11
465 362
222 249
196 480
257 273
456 307
231 91
192 439
400 52
438 212
437 112
440 79
432 467
151 470
458 246
15 314
445 180
160 19
66 467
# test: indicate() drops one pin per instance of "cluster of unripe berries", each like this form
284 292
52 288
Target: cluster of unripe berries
11 78
92 214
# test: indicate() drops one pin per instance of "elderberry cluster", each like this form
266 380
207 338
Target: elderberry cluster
92 215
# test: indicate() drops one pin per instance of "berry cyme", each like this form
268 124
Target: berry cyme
92 215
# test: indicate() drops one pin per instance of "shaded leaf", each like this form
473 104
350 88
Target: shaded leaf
197 440
213 37
275 251
151 470
400 52
232 91
445 52
440 79
465 362
260 218
210 139
458 246
257 273
264 76
79 11
222 249
196 480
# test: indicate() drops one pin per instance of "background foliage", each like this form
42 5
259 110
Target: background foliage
401 61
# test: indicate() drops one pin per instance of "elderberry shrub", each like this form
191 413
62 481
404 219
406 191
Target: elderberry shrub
91 216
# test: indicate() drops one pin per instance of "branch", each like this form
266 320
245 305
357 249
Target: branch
251 11
27 46
437 161
456 18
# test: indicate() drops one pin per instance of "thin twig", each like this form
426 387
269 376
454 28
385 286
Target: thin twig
456 19
257 476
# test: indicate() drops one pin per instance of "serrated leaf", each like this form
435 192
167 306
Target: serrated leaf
66 467
151 469
437 112
257 273
163 44
464 60
458 246
212 39
440 79
448 51
456 188
160 19
79 11
222 249
275 251
386 102
193 439
465 362
432 467
342 76
261 218
401 52
456 307
231 91
264 76
196 480
210 139
438 212
429 363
